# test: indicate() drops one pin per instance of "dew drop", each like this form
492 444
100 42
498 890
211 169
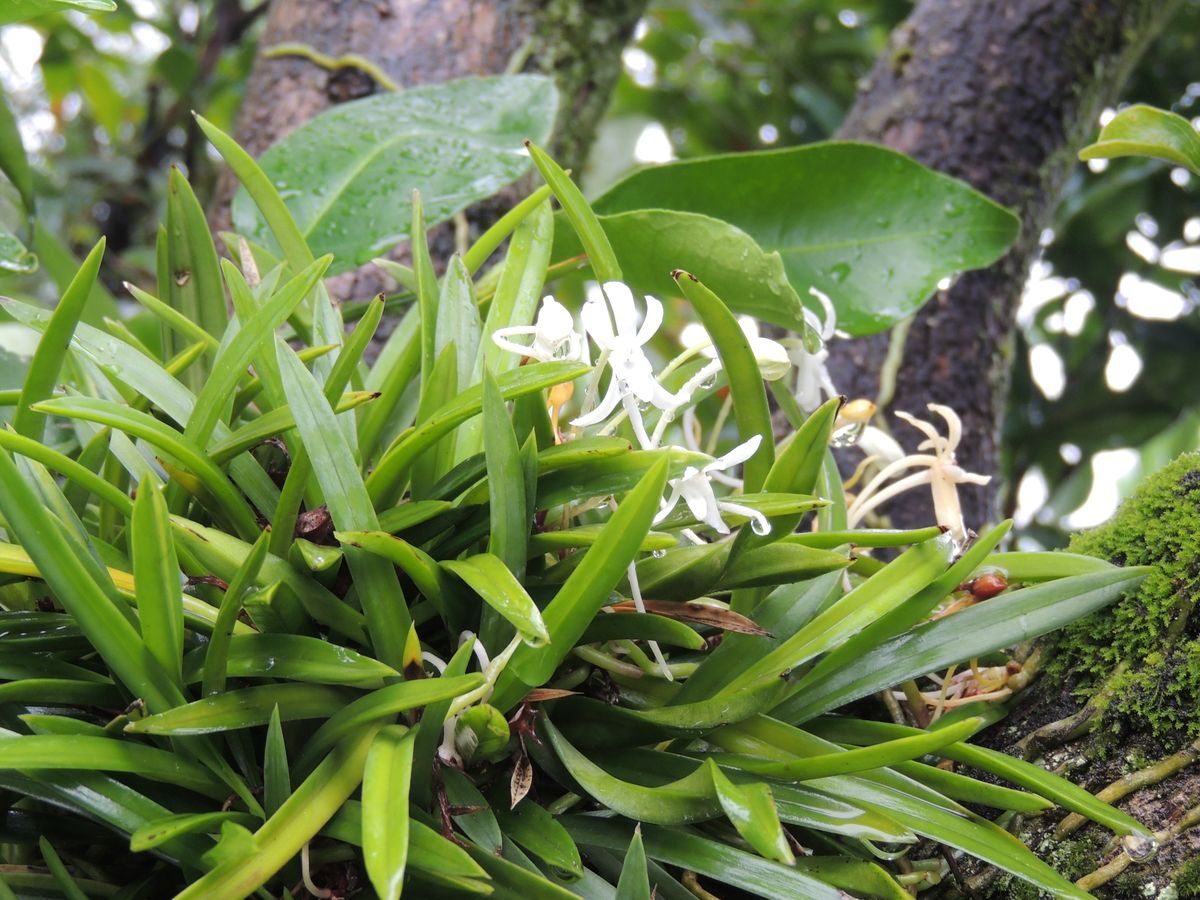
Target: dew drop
1140 847
760 527
847 435
658 554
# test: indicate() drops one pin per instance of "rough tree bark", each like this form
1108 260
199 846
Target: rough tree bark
1000 93
429 41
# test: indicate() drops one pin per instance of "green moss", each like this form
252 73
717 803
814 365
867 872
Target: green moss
1150 631
1187 880
1073 858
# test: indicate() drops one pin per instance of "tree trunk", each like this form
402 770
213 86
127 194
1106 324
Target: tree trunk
430 41
1000 93
1116 705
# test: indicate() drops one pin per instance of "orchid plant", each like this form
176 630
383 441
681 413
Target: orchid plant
388 623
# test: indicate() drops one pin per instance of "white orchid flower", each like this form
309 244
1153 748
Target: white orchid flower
773 360
939 470
633 380
694 488
812 376
554 335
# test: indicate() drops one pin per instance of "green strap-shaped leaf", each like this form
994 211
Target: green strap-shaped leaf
294 657
13 161
751 809
537 831
245 708
37 752
688 799
139 424
579 214
296 823
52 349
1034 778
509 535
1001 622
277 778
20 10
216 654
159 831
586 590
1142 130
385 822
386 482
156 580
194 285
634 883
741 368
490 579
902 578
388 701
349 505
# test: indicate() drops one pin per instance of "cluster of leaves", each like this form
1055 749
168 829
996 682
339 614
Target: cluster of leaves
302 706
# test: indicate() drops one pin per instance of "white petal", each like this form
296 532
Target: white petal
760 524
603 410
554 321
772 357
597 322
830 324
620 301
635 419
953 424
669 504
695 497
749 327
694 335
737 455
654 318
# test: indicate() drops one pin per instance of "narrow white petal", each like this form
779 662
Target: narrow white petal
653 320
635 419
597 322
603 410
858 510
624 311
737 455
759 523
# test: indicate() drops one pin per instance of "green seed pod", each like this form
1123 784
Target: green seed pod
482 733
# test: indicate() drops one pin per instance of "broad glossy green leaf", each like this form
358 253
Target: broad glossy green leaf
45 752
1000 622
380 704
487 576
346 175
294 657
586 590
15 257
752 280
385 824
877 230
1142 130
540 833
475 816
245 708
156 579
296 823
43 372
741 369
20 10
687 849
751 809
